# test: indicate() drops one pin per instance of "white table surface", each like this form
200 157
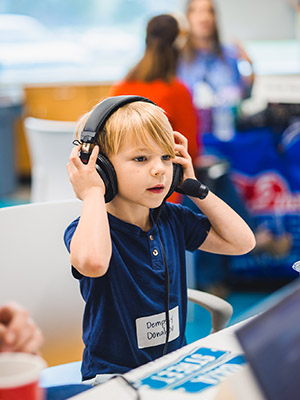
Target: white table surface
118 390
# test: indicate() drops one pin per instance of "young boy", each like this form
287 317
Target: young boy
119 252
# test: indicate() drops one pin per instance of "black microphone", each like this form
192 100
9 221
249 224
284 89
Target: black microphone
194 188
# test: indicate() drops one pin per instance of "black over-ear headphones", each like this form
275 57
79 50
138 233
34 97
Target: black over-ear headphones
94 127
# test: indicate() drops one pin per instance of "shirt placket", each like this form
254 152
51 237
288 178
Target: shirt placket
155 251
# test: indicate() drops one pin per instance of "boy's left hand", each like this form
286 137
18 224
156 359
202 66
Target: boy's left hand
182 156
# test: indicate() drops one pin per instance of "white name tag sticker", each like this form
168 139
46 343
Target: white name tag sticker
151 331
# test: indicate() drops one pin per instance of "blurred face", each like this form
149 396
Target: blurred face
201 18
144 174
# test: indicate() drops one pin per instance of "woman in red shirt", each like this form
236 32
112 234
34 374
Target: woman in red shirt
154 77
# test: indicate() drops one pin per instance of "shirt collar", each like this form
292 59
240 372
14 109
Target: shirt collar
120 225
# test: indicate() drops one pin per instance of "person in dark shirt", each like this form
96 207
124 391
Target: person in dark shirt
120 249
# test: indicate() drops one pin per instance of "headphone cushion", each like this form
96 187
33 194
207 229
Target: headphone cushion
177 178
108 174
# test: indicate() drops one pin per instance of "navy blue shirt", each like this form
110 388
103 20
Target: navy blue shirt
124 320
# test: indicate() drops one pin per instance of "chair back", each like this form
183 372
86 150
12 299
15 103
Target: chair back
49 143
36 272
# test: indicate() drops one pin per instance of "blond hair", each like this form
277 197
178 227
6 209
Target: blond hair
138 123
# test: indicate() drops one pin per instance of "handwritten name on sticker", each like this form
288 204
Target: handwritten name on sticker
151 330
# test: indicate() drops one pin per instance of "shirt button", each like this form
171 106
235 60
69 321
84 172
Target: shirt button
155 252
150 237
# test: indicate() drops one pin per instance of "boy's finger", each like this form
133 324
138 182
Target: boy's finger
94 155
180 150
75 152
180 139
179 135
74 156
176 133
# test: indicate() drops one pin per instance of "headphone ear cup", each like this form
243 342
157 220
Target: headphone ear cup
177 178
108 174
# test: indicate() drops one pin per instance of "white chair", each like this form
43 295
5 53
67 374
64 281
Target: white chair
49 144
220 309
36 272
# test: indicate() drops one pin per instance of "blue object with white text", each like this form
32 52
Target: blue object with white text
196 371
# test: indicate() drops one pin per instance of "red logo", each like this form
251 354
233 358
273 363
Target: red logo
266 192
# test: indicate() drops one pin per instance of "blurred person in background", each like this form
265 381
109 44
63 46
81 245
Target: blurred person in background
205 59
218 77
154 77
18 331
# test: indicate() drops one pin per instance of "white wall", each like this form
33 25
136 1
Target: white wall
256 19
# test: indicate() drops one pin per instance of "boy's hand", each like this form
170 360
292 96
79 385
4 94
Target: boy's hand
182 156
84 177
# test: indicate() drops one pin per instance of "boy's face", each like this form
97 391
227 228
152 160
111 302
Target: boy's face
144 174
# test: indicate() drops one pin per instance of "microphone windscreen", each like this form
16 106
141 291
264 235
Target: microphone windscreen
191 187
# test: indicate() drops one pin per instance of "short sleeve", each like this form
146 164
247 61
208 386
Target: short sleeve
69 232
196 228
191 227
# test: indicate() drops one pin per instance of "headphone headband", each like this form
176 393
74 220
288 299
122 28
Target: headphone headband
93 127
102 112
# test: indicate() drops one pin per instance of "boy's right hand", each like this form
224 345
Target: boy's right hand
84 177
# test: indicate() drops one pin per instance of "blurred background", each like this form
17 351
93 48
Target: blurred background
59 58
